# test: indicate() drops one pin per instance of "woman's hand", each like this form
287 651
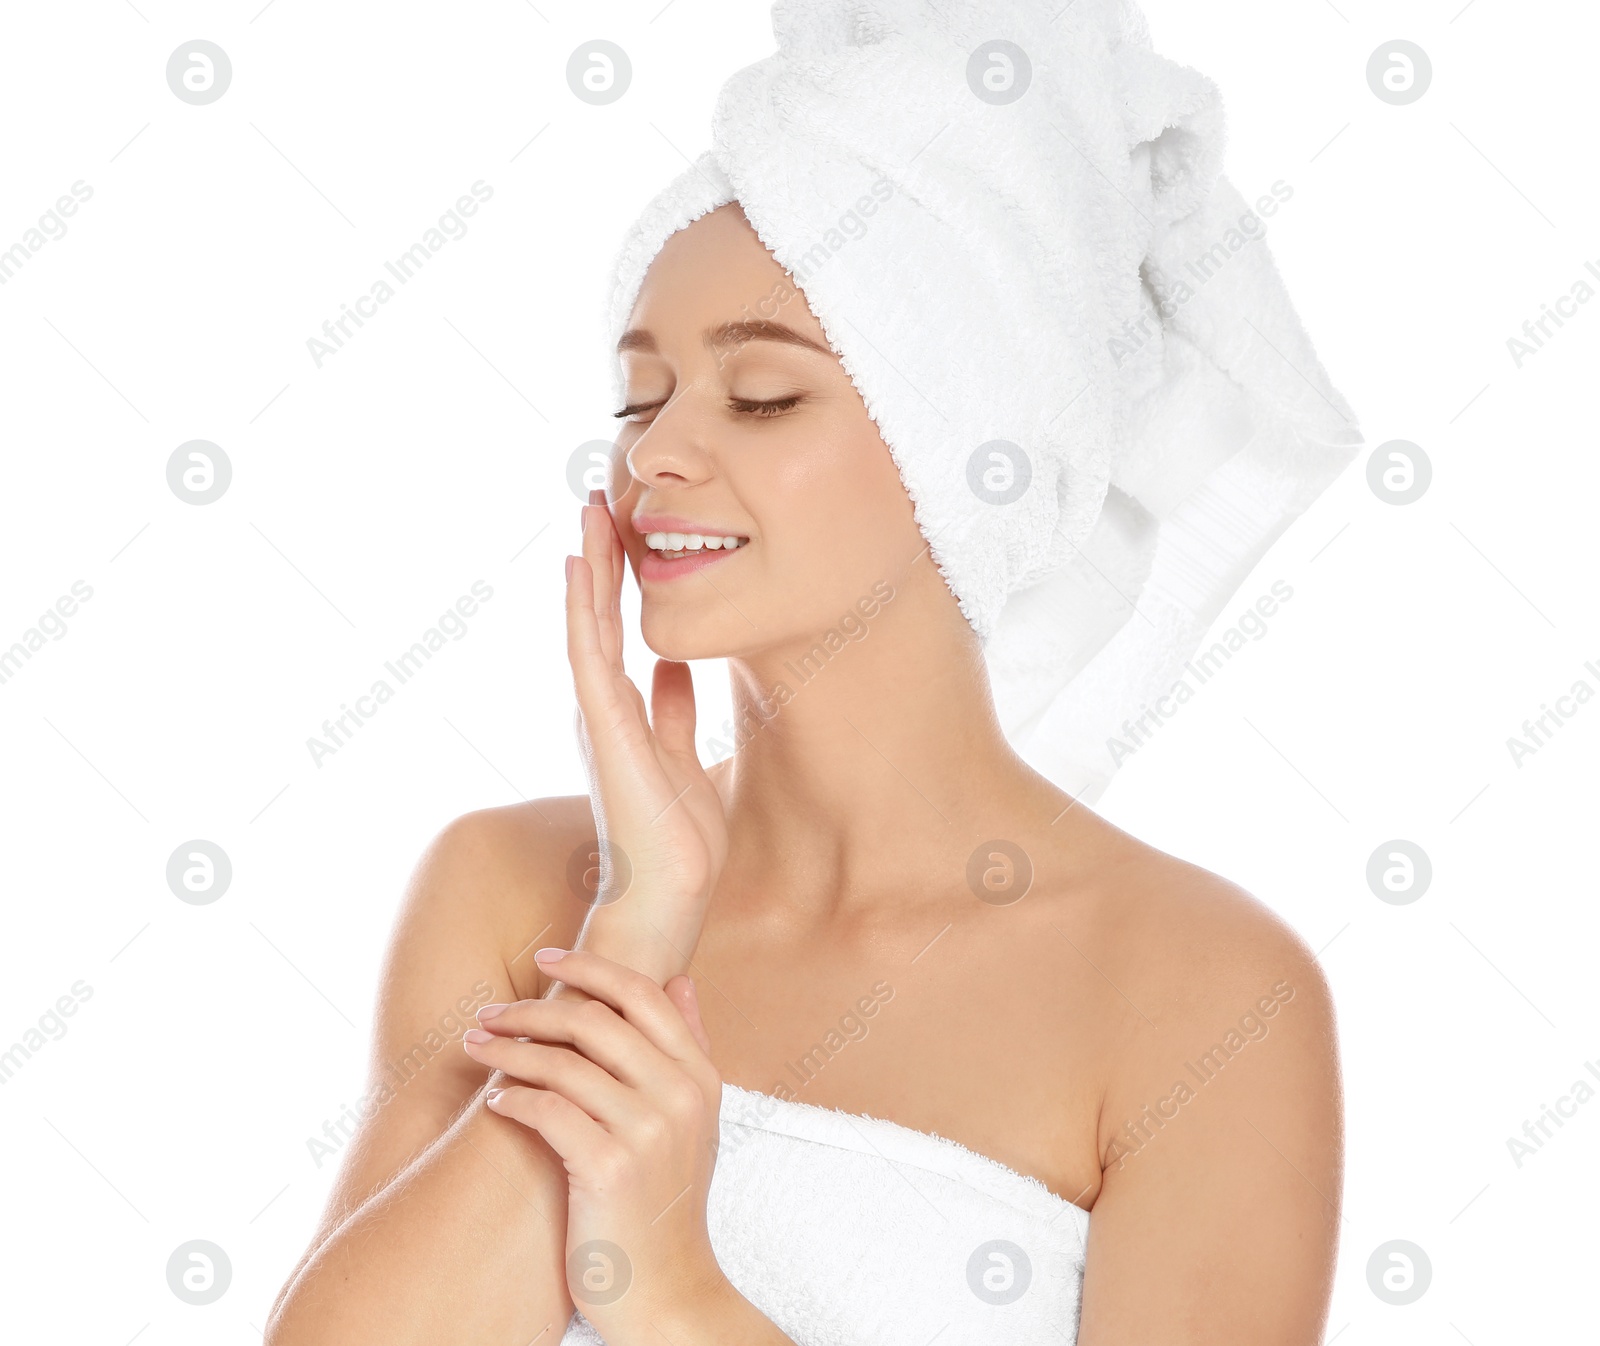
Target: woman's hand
662 833
622 1087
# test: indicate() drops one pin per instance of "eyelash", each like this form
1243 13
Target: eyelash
773 408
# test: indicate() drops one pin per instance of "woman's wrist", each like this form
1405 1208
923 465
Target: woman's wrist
631 937
716 1314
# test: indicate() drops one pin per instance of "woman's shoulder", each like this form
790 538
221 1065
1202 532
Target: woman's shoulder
509 875
1167 920
1190 957
507 837
1219 1102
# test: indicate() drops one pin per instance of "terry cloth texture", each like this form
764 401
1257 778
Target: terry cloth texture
1013 227
850 1230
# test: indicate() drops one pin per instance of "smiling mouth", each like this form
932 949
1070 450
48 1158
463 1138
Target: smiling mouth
678 546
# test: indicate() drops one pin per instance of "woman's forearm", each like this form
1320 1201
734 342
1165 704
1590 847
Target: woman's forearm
723 1317
467 1244
469 1238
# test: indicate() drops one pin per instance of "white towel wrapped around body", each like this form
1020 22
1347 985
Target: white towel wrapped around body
848 1230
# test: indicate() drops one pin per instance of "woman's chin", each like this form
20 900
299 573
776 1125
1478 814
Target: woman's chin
671 637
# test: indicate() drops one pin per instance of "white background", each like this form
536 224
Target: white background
430 452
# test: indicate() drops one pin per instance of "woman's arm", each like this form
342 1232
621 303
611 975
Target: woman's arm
624 1089
467 1240
444 1222
1218 1219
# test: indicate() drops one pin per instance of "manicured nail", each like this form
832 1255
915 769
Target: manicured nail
548 955
489 1011
492 1095
478 1035
570 560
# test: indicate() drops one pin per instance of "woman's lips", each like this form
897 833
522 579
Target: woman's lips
654 566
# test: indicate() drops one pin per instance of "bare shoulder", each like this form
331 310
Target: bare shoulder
1197 973
503 877
1221 1118
1193 942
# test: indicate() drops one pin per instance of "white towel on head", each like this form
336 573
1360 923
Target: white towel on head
1059 313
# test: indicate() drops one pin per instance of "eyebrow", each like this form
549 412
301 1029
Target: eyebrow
728 334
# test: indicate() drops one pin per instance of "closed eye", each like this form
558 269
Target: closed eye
773 408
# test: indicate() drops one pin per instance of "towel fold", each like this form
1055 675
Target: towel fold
1013 227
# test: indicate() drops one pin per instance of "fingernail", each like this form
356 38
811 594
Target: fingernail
570 560
478 1035
548 955
492 1095
489 1011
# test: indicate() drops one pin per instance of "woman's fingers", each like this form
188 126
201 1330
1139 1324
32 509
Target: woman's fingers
568 1073
566 1127
602 548
607 698
619 568
598 553
672 713
681 991
599 689
583 632
644 1030
634 996
598 1034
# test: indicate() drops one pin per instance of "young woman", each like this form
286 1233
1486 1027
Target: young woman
865 1033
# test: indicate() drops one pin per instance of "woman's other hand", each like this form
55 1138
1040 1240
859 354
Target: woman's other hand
662 833
623 1088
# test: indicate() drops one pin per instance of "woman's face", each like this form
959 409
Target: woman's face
734 434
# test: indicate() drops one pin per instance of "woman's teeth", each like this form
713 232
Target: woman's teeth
682 544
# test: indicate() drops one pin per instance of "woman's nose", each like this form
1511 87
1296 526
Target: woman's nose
673 448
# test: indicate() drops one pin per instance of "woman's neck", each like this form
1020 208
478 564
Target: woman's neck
872 765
